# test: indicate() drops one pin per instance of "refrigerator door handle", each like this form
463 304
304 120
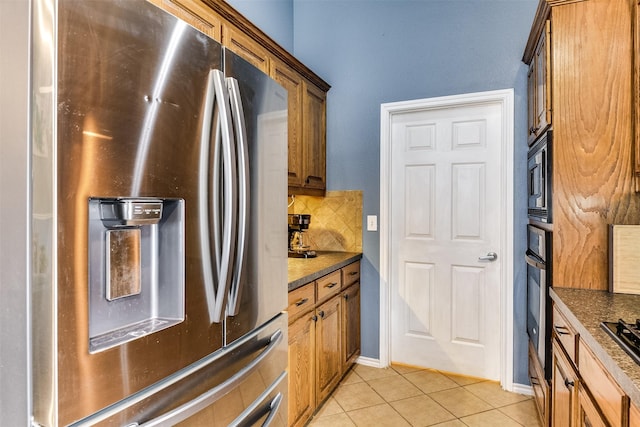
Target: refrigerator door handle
194 406
224 200
203 200
237 111
258 409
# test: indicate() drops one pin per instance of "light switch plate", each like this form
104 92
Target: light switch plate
372 223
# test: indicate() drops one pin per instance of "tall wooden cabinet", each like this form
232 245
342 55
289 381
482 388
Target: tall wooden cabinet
590 68
307 91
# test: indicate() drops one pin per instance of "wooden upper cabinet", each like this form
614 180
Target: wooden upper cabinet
195 13
314 137
539 86
246 47
307 91
292 81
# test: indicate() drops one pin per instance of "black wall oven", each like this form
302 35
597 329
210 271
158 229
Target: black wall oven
538 258
539 179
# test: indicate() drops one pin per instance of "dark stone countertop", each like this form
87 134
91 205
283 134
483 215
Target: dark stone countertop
585 309
304 270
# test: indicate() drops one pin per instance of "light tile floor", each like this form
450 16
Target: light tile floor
406 396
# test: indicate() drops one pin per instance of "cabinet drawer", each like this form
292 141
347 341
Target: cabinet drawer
350 274
608 396
301 300
328 285
565 334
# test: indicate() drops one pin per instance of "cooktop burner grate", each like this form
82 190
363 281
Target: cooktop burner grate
626 335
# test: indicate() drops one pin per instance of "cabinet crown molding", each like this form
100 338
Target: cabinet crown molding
225 10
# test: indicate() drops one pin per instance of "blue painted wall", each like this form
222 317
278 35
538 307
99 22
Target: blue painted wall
274 17
378 51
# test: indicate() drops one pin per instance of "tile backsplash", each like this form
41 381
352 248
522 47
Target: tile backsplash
336 220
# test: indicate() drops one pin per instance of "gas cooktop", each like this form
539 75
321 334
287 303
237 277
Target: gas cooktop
626 335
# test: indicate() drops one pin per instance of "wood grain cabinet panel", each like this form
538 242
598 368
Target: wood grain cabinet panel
607 395
301 300
565 334
314 135
292 81
593 183
328 285
539 86
350 325
588 413
302 356
328 348
246 47
539 385
564 383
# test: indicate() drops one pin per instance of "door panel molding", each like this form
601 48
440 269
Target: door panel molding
469 134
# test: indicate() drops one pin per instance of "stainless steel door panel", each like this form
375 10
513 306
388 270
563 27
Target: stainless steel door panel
262 292
130 100
241 382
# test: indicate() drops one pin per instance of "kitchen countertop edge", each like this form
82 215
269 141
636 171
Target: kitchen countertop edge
305 270
586 309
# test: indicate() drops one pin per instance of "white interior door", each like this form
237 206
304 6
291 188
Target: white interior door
445 238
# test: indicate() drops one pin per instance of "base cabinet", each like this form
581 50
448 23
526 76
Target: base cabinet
324 338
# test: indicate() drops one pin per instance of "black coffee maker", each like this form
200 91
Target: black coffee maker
298 224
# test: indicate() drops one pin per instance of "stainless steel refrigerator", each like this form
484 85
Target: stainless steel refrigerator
155 188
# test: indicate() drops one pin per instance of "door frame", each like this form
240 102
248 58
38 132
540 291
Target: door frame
505 99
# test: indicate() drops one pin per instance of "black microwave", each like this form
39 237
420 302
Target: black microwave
539 179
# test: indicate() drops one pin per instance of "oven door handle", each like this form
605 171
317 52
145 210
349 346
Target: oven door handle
532 261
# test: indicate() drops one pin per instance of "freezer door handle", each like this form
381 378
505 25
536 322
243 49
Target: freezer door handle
243 188
192 407
258 409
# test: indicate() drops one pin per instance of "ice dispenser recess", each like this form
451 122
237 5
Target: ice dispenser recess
136 268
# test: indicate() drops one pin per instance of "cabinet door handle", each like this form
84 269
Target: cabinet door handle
568 384
310 177
346 296
301 301
331 285
534 381
321 314
561 330
353 273
314 318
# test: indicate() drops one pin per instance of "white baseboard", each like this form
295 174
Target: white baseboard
522 389
368 361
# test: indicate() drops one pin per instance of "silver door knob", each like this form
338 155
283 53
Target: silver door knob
491 256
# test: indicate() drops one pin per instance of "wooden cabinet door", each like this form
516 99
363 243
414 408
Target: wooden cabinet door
539 385
194 13
563 390
246 47
292 81
302 352
588 413
314 137
350 325
328 348
539 87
